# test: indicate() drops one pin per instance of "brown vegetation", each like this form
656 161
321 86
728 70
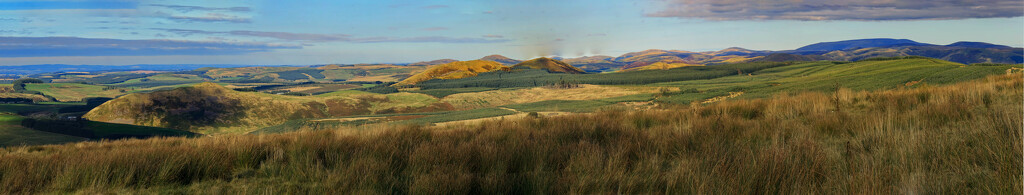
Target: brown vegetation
454 70
551 65
959 139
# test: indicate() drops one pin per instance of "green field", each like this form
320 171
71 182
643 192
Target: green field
114 130
13 134
441 93
72 91
825 76
458 116
32 108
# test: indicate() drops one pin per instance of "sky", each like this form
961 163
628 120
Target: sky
264 32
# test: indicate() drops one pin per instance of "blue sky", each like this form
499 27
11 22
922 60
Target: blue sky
262 32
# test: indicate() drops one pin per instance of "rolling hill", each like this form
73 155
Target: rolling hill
977 45
550 65
501 59
453 70
656 66
859 43
594 63
433 62
209 108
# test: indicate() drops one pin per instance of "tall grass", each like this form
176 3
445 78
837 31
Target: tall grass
958 139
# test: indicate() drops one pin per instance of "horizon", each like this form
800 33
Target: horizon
401 63
313 33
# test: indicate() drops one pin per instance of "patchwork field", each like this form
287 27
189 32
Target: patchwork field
67 92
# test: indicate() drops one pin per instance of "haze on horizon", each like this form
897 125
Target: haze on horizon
264 32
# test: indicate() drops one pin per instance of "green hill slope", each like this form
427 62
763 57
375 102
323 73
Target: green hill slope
209 108
13 134
825 76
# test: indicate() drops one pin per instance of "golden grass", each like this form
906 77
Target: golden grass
453 70
958 139
537 94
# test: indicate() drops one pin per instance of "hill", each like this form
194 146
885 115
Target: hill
453 70
978 45
594 63
656 66
550 65
785 57
859 43
964 55
501 59
209 108
433 62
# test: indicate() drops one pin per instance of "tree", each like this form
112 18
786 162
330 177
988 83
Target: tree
19 85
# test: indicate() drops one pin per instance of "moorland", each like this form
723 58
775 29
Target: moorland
858 116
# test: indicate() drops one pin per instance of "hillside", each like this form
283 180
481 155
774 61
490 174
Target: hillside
209 108
594 63
957 139
433 62
978 45
965 55
655 66
501 59
858 43
550 65
453 70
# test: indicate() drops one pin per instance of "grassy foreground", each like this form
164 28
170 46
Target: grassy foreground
958 139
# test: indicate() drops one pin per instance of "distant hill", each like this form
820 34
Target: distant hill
594 63
785 57
739 51
454 70
587 60
501 59
978 45
859 43
551 65
964 55
658 66
433 62
48 68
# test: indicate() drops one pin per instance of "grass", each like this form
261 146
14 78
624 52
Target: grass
492 98
33 108
459 115
441 93
579 105
114 130
560 106
13 134
957 139
344 93
72 91
209 108
824 76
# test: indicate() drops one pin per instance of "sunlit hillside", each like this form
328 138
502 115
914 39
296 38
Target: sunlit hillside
454 70
550 65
